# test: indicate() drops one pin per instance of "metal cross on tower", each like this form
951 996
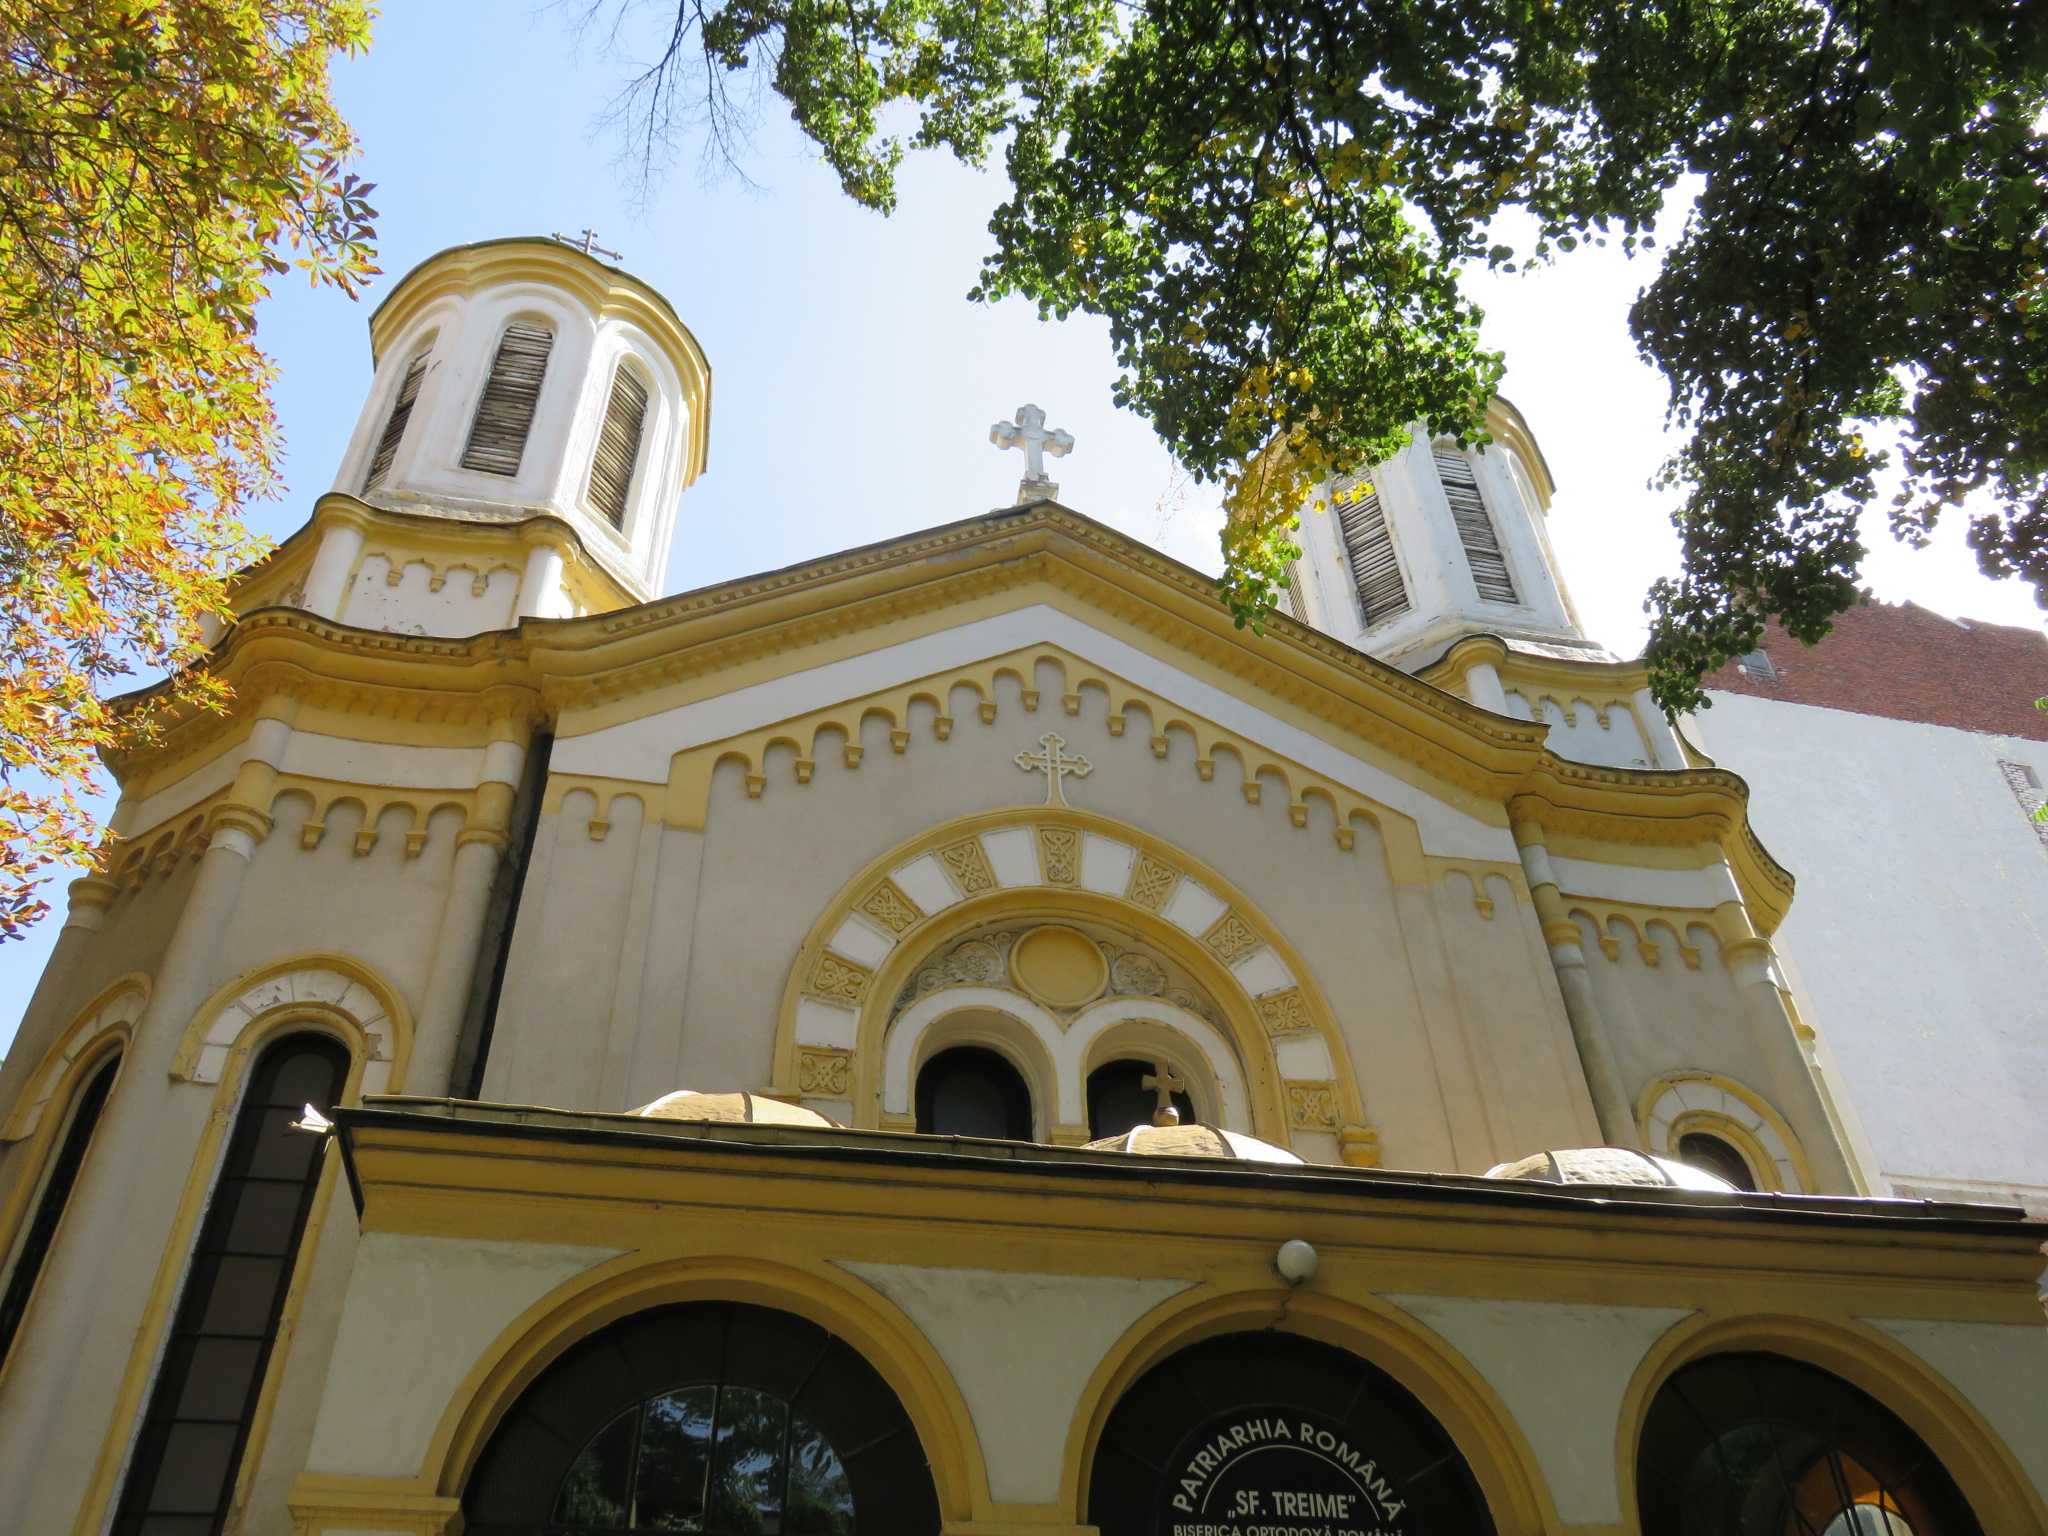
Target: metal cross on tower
587 244
1028 431
1163 1084
1055 765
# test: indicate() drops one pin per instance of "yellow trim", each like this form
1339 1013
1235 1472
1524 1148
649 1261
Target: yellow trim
343 1025
1760 1158
833 1299
135 984
1997 1489
122 1420
1446 1385
917 942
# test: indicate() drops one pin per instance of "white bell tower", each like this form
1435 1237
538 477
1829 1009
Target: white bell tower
1435 544
534 419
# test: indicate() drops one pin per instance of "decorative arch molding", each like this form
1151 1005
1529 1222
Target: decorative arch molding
1443 1381
1056 863
337 990
1070 1051
1969 1448
1677 1103
839 1303
108 1017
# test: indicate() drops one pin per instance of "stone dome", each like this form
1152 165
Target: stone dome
1610 1165
1193 1141
739 1108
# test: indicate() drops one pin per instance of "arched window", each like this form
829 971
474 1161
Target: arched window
713 1417
1123 1094
394 424
1710 1152
1755 1444
1475 525
1190 1446
182 1477
618 445
504 414
58 1183
972 1091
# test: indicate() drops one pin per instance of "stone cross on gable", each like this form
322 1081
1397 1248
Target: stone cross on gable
1163 1084
1028 431
1055 765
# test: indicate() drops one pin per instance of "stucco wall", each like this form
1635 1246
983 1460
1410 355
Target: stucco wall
1920 933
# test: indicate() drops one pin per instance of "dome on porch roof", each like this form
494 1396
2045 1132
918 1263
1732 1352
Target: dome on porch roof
1609 1165
1193 1141
736 1108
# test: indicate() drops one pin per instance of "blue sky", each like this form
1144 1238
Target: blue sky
853 383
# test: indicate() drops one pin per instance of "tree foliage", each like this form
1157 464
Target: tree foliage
156 156
1270 202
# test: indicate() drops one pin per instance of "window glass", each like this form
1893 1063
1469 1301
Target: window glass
55 1200
709 1417
970 1091
181 1479
1118 1099
1716 1157
1754 1444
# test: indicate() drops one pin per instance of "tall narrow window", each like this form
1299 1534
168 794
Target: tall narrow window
505 413
182 1478
1369 542
1475 525
56 1195
618 445
394 424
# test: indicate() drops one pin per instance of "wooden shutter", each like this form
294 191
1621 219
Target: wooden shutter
1297 605
1375 569
505 413
1475 526
394 424
618 445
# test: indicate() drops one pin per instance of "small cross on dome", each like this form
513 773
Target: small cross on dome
587 244
1029 432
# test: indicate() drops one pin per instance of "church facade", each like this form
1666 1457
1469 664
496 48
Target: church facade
953 1036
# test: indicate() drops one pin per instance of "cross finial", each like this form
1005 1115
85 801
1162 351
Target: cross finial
1055 765
587 244
1164 1085
1028 431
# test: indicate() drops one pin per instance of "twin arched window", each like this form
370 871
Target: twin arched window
971 1090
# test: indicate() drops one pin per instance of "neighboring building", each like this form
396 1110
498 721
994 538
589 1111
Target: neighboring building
950 1037
1895 769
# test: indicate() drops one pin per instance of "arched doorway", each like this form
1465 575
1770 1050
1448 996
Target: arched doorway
713 1417
1280 1432
1754 1444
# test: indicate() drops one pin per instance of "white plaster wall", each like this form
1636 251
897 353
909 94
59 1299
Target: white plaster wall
1021 1348
1562 1369
1920 932
2002 1368
412 605
420 1313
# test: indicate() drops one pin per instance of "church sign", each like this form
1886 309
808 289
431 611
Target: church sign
1276 1471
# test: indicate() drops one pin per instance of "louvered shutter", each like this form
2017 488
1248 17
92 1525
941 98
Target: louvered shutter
505 413
1475 526
618 446
1297 605
1369 542
394 424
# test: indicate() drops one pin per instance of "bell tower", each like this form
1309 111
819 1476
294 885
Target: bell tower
535 416
1438 543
